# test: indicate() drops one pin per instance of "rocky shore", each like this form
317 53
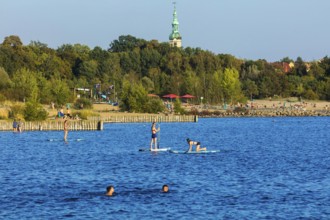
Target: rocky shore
266 113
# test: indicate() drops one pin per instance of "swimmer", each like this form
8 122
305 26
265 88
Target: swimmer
110 190
165 189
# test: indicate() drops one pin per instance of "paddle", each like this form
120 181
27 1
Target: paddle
158 139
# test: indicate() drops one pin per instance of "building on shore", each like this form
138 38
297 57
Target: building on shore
175 37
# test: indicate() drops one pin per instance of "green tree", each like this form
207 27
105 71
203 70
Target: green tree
5 81
250 88
34 111
88 69
148 84
178 107
12 41
215 89
126 43
327 89
25 85
60 91
133 97
231 85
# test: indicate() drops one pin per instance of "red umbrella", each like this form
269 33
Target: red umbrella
187 96
171 96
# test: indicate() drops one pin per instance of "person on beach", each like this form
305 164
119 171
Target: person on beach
154 131
66 128
165 188
198 145
110 191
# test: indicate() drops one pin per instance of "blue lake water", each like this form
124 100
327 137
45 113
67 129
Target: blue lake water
268 168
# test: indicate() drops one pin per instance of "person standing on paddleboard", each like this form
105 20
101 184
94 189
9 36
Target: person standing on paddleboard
154 131
66 128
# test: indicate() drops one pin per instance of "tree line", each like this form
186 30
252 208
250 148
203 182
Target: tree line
131 68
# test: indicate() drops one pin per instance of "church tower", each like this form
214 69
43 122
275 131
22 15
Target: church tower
175 37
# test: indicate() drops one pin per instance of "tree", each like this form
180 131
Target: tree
33 111
300 68
25 85
327 89
325 64
12 41
133 97
5 80
60 91
88 69
125 43
178 107
148 84
250 88
286 60
231 85
215 88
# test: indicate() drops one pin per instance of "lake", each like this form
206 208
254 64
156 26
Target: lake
267 168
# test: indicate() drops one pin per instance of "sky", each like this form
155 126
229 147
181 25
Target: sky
246 29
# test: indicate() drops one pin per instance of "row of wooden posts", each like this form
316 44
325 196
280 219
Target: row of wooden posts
94 123
54 125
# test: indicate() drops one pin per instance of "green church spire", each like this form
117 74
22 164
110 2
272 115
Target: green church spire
175 37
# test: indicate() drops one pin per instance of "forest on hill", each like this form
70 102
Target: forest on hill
131 68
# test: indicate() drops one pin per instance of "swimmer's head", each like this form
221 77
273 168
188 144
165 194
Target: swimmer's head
110 190
165 188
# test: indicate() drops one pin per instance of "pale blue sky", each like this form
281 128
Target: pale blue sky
248 29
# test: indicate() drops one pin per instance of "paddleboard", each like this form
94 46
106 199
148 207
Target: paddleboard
54 139
155 150
194 152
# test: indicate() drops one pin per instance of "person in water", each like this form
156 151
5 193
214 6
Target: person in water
19 126
198 145
110 191
154 131
66 128
15 124
165 188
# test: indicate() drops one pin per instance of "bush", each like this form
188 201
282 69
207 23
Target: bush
2 98
83 103
178 108
205 113
194 111
240 110
16 111
311 95
84 114
34 111
154 105
3 114
217 113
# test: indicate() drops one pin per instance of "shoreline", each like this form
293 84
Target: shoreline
255 108
260 114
